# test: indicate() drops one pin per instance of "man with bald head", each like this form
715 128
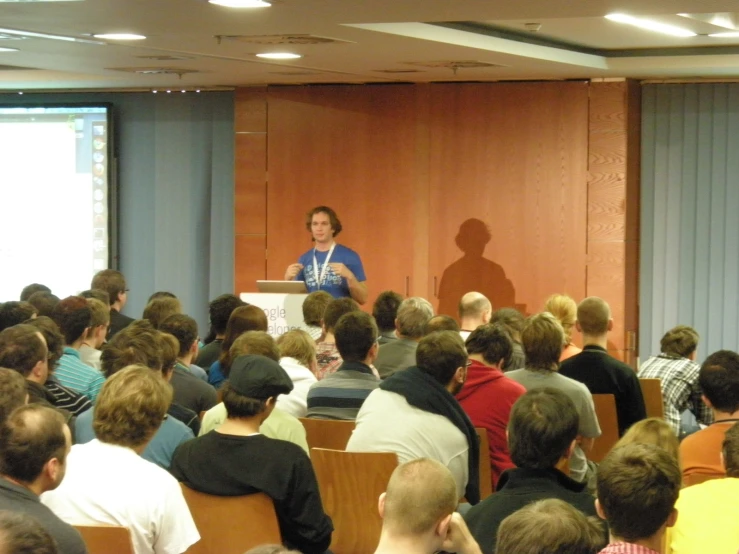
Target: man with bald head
474 310
600 372
418 512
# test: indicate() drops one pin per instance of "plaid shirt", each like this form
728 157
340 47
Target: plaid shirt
626 548
680 390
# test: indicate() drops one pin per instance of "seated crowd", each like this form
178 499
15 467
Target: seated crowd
105 418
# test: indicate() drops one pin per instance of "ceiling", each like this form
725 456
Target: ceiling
375 41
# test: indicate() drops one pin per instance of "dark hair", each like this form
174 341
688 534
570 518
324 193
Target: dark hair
237 405
680 341
161 294
30 290
355 333
44 302
138 343
54 339
511 319
21 533
243 319
333 218
440 354
111 281
385 309
441 323
97 294
13 313
638 485
335 309
492 341
542 426
13 392
314 307
73 316
220 310
183 328
31 436
21 348
730 450
719 380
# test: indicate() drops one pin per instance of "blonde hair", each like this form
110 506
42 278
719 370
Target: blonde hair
654 431
100 313
299 345
564 308
160 309
170 348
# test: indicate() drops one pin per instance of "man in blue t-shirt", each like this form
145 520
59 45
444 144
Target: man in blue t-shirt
328 266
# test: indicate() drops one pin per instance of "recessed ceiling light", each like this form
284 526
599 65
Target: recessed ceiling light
120 36
4 49
279 56
241 3
650 25
727 34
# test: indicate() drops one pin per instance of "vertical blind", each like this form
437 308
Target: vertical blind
690 214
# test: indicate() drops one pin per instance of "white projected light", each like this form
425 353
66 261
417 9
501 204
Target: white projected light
55 191
650 25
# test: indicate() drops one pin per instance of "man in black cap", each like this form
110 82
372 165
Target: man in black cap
235 459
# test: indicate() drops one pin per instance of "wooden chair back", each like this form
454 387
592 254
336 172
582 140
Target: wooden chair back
106 539
698 478
605 409
330 434
350 485
486 474
653 402
250 521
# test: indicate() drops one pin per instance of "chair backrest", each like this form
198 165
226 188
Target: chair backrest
698 478
251 521
486 474
331 434
350 485
653 402
106 539
605 409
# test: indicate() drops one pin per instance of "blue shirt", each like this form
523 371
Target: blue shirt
216 376
168 437
333 284
76 375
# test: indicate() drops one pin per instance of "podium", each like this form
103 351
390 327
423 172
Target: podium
284 311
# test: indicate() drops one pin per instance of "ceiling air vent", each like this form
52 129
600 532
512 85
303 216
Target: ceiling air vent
294 73
165 58
273 40
394 71
180 71
455 64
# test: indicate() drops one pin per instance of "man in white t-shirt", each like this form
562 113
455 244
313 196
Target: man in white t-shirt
109 483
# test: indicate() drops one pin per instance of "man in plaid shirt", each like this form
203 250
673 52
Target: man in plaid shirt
678 373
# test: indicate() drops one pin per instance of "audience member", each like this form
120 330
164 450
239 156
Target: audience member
73 317
542 433
313 308
719 381
600 372
418 512
708 512
113 282
655 431
161 294
12 392
298 359
30 290
414 414
56 394
385 310
279 424
340 395
474 310
638 485
34 444
109 483
236 459
513 321
44 302
160 308
327 355
220 310
413 315
243 319
170 348
550 526
441 323
23 534
564 308
190 390
543 339
488 395
98 330
677 371
13 313
97 294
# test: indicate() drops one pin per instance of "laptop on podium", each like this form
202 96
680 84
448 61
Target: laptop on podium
282 287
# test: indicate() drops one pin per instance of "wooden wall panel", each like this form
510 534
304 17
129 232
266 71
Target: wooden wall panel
250 263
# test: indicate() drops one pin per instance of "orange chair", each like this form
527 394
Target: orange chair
653 402
486 474
106 539
331 434
605 409
350 485
251 521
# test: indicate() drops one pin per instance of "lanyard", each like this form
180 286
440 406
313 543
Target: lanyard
320 278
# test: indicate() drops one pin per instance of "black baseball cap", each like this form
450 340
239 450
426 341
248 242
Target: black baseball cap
258 377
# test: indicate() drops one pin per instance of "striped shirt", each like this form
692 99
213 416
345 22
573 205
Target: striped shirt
341 394
67 399
74 374
626 548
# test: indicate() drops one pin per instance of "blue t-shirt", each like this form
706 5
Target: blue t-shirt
168 437
333 284
216 376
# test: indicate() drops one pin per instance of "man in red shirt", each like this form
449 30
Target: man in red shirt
488 395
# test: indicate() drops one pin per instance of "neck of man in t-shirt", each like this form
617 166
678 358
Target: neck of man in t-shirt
324 244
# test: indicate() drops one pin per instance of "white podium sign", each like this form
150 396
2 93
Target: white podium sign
284 311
